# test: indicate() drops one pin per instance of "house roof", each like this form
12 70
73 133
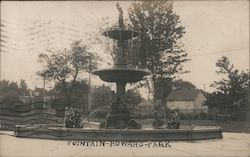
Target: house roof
146 103
183 94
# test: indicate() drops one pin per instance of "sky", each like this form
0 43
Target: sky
213 29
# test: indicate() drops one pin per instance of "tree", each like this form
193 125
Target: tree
9 94
67 65
78 96
232 91
23 88
236 82
180 84
100 96
134 99
160 48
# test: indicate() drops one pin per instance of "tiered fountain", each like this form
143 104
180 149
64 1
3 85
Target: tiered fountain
117 122
121 74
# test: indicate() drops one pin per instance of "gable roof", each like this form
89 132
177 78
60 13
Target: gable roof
183 94
146 103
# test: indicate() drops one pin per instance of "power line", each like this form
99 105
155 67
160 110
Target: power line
221 52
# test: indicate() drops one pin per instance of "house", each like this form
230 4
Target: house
187 101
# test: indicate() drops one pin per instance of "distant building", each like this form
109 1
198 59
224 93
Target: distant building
145 107
27 99
187 101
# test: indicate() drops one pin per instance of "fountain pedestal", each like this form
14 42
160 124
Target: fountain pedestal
121 74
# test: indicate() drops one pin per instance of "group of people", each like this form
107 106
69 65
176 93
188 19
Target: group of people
172 123
72 117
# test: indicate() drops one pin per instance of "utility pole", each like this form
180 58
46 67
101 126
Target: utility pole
204 87
0 65
0 54
89 94
44 93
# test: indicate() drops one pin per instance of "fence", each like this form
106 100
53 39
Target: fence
193 111
26 114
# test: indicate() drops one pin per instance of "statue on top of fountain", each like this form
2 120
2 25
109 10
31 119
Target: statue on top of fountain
120 20
120 58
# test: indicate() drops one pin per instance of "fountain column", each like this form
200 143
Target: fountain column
120 88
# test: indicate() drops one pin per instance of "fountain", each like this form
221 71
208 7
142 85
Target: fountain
121 74
119 120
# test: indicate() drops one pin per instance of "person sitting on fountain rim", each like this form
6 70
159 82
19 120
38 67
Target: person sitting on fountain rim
66 113
71 110
175 120
157 123
69 116
77 119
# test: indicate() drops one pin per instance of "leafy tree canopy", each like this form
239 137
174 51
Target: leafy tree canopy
9 93
78 96
66 65
160 48
100 96
23 88
181 84
232 91
235 82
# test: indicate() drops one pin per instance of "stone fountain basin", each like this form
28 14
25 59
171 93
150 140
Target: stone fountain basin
129 75
90 134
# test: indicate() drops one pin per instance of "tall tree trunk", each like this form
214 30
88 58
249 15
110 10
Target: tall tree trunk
72 86
66 92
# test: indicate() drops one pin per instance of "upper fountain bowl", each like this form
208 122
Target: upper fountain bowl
118 74
120 34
